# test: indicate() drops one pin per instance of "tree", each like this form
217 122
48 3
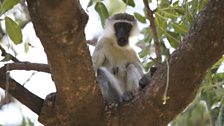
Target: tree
60 27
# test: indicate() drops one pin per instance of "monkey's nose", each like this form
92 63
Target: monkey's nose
122 40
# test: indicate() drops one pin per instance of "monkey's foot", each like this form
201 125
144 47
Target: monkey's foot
145 80
128 95
50 99
115 70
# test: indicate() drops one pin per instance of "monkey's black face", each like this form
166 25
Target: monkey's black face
122 31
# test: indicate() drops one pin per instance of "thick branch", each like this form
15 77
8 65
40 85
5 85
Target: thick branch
154 31
20 93
60 26
27 66
203 46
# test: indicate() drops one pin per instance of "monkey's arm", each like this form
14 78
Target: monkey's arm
98 56
139 67
137 62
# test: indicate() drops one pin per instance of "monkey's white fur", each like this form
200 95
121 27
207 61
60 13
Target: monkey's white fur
109 56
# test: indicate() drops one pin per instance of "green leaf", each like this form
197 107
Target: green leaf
202 4
140 18
129 2
164 3
26 46
144 52
8 4
23 122
194 6
102 11
90 3
7 58
13 30
180 10
173 38
180 28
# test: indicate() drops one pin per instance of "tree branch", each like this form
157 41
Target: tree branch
4 53
200 49
61 32
27 66
154 31
20 93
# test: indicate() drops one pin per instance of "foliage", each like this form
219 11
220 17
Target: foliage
26 122
12 28
13 18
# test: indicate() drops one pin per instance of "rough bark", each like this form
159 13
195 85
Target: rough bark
202 47
59 25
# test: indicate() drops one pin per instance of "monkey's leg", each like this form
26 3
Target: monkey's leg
109 86
133 77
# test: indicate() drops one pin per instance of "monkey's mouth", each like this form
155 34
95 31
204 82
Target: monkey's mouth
122 41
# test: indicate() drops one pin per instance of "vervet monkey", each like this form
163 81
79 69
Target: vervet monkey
116 63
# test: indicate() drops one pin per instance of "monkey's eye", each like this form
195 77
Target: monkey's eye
123 26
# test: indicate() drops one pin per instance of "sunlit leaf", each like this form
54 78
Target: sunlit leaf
164 3
194 6
129 2
102 11
147 34
26 46
180 28
144 52
180 10
13 30
8 4
173 38
90 3
202 4
140 18
165 51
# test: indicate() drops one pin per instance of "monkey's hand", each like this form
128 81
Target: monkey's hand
128 95
115 70
145 80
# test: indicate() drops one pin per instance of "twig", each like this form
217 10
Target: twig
154 31
4 53
29 99
155 60
165 97
29 78
28 66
